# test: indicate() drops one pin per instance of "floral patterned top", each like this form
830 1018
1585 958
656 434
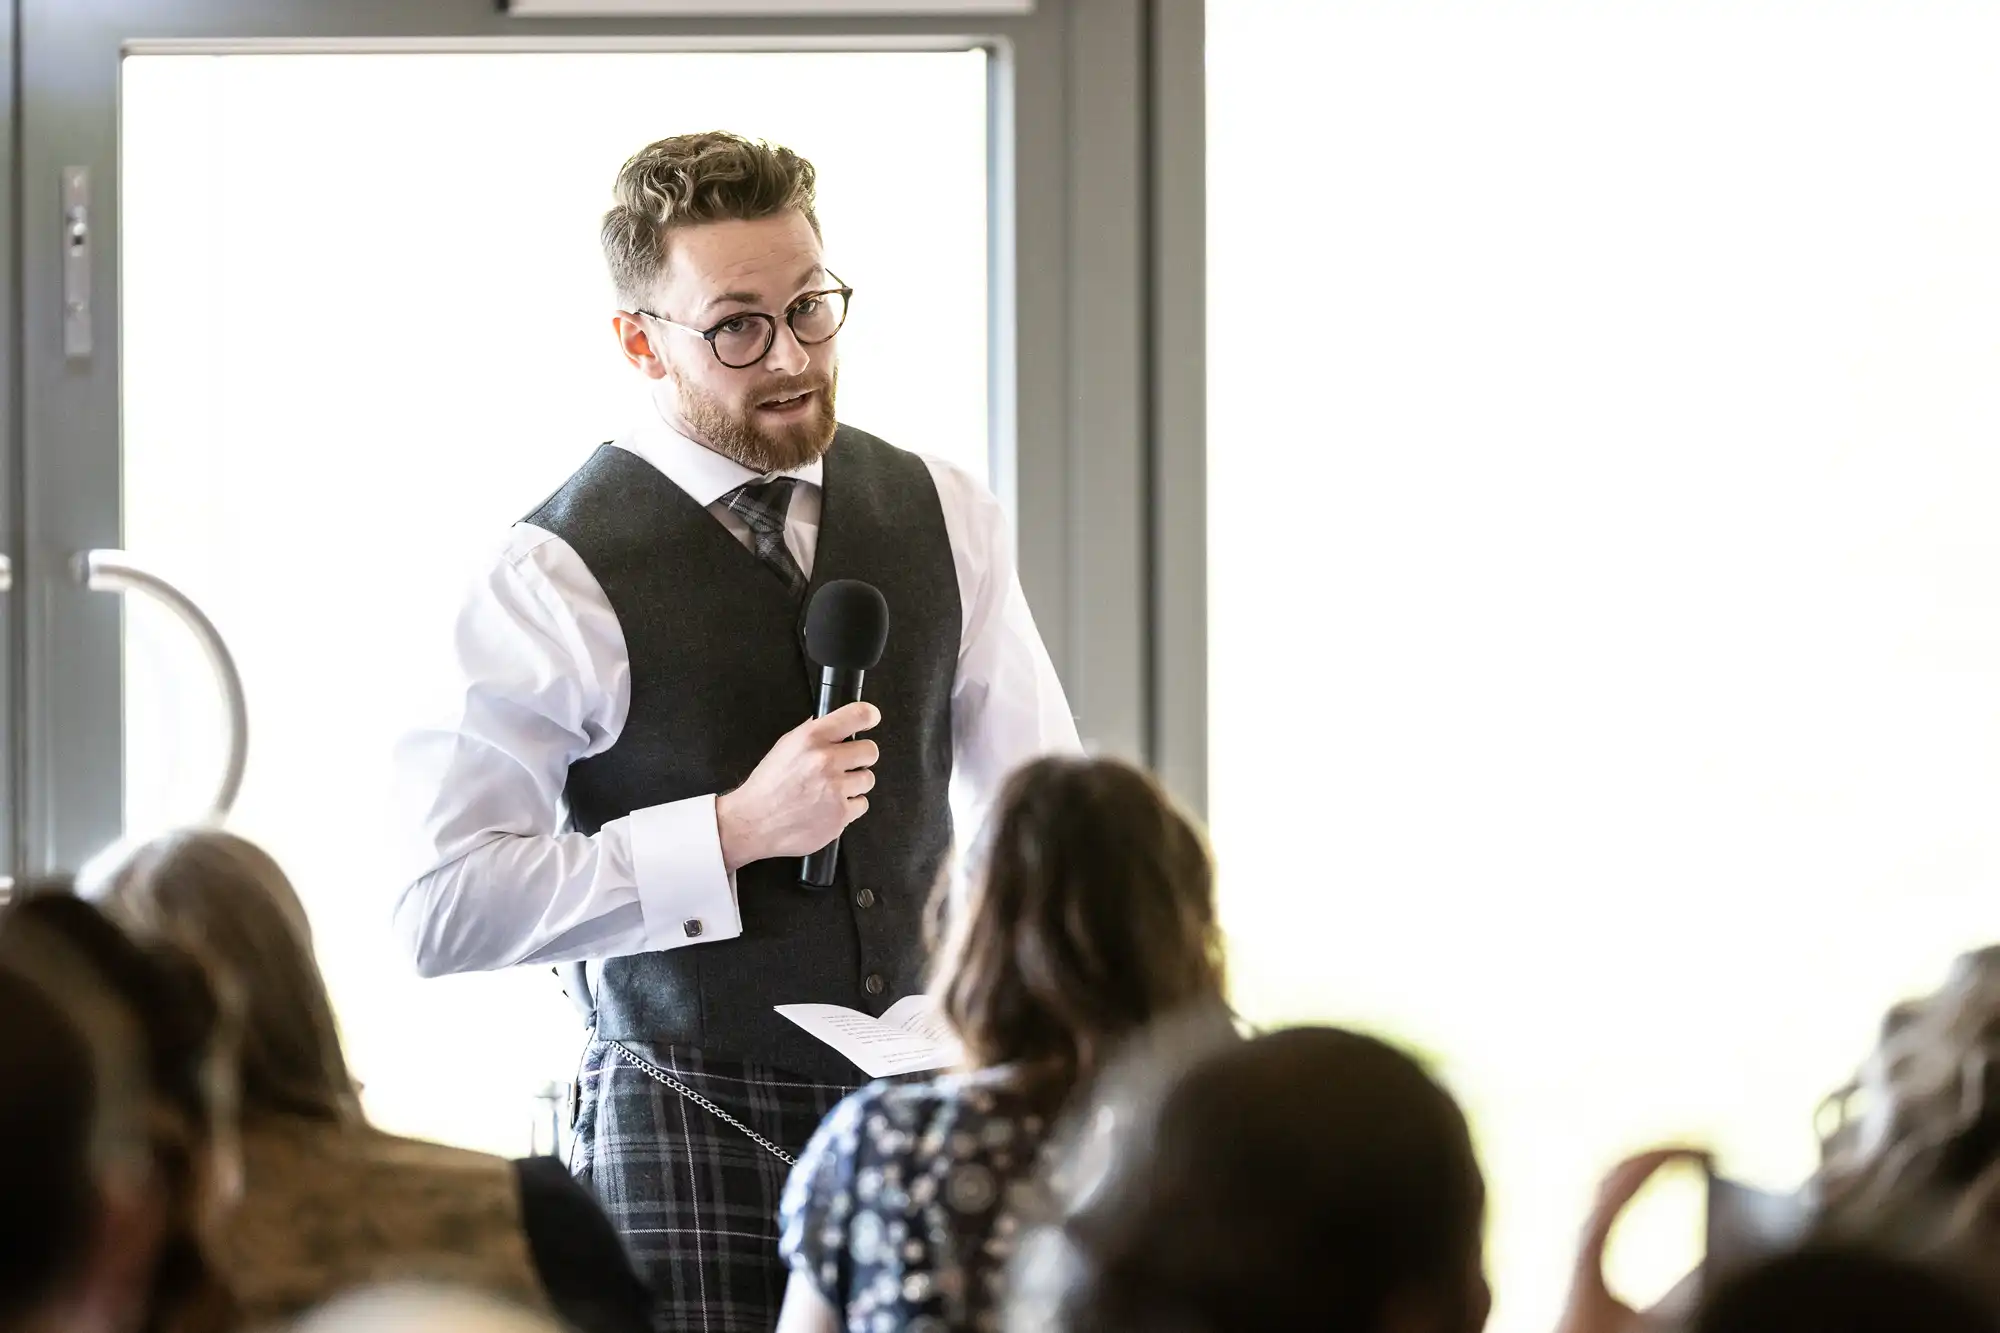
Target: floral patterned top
904 1209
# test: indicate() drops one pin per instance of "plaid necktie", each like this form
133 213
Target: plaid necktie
762 505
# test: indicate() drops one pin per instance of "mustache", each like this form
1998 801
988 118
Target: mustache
787 388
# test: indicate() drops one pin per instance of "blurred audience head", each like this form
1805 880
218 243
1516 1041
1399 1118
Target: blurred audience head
1091 914
1308 1179
182 1032
1842 1289
79 1231
421 1308
1911 1146
224 897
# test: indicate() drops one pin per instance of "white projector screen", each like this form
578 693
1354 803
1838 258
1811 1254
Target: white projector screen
1605 634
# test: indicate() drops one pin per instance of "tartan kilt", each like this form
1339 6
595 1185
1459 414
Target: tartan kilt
695 1199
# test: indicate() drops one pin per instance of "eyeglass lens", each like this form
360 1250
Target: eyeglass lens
744 340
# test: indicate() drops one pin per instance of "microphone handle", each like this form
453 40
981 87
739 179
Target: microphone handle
837 689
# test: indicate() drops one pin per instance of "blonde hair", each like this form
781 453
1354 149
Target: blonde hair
1915 1135
688 180
226 900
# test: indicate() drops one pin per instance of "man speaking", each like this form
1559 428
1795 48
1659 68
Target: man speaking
625 771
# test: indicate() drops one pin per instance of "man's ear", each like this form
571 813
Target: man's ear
637 344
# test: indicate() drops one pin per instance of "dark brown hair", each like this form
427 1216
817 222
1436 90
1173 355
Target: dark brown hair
1092 915
688 180
185 1026
50 1092
1313 1178
1843 1289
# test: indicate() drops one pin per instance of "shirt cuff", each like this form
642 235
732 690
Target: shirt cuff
685 894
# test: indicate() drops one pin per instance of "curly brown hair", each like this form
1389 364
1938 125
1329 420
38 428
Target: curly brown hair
688 180
1093 915
1914 1137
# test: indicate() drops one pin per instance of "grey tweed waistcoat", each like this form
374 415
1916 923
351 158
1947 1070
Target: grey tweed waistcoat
719 673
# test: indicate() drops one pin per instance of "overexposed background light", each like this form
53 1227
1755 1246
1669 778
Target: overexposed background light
365 328
1605 585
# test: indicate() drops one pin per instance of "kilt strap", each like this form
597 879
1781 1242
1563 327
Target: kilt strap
661 1076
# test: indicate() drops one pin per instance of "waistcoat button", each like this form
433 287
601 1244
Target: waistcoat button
865 898
874 985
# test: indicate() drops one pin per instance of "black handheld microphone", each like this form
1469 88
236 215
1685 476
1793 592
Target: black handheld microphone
847 626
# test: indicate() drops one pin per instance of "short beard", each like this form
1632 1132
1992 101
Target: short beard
733 434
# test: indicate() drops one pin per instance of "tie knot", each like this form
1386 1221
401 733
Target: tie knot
762 504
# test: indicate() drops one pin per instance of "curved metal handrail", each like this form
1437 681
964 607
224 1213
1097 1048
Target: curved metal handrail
117 571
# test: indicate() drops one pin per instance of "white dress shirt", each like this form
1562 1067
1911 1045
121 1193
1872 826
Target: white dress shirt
537 678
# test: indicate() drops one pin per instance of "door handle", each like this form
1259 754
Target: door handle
117 571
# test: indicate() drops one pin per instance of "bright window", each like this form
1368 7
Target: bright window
366 327
1605 582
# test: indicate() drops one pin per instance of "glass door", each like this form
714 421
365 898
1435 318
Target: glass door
365 326
347 321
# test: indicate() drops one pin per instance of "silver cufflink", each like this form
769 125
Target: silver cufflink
692 928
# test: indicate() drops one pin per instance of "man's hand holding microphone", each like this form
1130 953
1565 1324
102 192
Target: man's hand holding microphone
816 779
813 784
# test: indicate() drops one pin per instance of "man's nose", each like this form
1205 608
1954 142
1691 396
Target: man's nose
788 356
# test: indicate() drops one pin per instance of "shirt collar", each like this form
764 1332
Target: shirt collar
700 471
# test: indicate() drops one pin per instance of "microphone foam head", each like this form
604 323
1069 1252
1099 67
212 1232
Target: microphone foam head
847 625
